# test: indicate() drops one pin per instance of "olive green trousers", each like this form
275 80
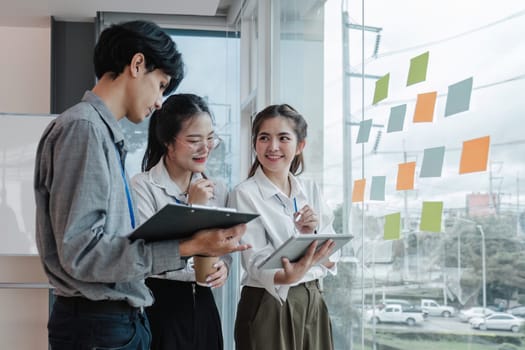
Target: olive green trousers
300 323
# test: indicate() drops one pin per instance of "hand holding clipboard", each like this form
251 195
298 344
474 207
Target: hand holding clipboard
182 222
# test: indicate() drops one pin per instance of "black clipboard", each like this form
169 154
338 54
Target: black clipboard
180 221
295 247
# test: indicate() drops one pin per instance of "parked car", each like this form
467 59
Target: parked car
518 311
466 315
434 309
499 321
496 308
406 305
394 313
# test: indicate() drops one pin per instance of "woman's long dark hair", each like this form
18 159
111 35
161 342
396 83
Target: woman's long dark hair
166 122
299 126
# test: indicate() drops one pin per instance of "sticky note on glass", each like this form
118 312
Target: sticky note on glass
397 118
425 106
377 188
432 162
431 217
364 131
474 155
458 97
392 228
358 194
381 91
405 176
418 69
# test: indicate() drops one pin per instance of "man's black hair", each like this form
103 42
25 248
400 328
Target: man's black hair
118 44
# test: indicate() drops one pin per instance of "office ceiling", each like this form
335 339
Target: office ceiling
37 12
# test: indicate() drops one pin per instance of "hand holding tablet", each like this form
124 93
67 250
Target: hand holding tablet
296 246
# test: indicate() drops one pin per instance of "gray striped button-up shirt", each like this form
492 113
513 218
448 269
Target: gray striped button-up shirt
82 215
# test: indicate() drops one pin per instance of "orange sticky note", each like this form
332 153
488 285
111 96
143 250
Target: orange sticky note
425 105
405 176
358 194
474 155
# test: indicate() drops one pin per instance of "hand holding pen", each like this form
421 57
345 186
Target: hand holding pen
200 191
305 219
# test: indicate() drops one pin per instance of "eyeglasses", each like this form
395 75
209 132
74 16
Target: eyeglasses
195 146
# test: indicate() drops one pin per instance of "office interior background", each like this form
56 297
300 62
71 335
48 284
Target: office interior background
415 135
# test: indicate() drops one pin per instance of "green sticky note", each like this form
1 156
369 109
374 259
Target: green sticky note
381 91
431 216
418 69
392 226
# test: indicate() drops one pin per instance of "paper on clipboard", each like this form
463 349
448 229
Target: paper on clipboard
179 221
295 247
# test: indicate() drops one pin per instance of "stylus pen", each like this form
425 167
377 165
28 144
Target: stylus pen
296 210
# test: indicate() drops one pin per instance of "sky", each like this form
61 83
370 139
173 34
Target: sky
464 39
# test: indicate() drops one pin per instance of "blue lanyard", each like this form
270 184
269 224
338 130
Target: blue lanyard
179 201
285 207
126 186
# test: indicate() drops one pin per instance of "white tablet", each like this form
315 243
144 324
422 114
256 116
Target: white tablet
295 247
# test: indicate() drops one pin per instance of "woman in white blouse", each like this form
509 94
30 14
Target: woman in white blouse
282 308
181 137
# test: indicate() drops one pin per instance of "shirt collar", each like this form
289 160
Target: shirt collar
107 116
160 177
269 189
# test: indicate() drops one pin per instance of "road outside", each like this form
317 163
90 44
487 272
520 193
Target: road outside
438 333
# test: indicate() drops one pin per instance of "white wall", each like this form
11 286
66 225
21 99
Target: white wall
24 88
23 319
25 69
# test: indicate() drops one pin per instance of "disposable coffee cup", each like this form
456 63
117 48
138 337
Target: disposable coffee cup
203 266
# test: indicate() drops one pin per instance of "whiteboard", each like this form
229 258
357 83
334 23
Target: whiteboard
19 136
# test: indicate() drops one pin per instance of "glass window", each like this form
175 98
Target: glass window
212 71
211 62
465 258
441 158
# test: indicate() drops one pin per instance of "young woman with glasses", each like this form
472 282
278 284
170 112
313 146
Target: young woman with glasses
181 137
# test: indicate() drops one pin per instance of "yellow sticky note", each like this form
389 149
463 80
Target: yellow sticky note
425 105
358 194
474 155
405 176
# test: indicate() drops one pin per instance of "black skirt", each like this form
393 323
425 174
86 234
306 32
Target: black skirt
184 316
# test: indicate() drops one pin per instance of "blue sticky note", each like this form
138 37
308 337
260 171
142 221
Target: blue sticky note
458 97
364 131
377 188
397 118
432 162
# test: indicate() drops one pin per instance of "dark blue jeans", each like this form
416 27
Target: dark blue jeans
71 328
